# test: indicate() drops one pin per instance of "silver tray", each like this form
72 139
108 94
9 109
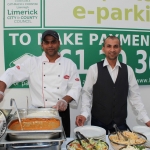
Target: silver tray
5 139
34 134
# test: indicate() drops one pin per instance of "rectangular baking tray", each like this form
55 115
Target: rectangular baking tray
59 129
35 134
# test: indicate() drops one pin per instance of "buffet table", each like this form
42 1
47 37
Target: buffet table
10 144
63 147
50 139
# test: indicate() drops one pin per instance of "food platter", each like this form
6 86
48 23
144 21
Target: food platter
134 139
28 124
113 137
100 144
46 113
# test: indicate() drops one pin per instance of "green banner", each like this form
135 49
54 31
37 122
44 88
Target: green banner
83 47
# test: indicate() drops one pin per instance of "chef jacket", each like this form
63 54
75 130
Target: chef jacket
48 82
133 94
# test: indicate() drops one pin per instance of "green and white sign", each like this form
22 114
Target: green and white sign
22 13
82 27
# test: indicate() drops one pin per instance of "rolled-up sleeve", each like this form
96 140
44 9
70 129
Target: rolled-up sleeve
16 74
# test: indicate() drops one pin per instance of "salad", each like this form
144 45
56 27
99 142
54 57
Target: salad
99 144
137 147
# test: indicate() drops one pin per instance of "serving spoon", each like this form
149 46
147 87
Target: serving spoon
11 102
118 131
82 137
79 139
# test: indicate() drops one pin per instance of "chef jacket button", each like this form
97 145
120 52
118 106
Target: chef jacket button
44 63
45 99
57 87
58 98
58 75
59 63
44 87
44 74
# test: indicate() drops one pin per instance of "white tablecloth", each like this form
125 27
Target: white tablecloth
63 147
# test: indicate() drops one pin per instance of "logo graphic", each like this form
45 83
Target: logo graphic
18 67
77 79
20 59
66 77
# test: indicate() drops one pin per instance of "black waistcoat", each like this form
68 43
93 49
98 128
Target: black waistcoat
109 98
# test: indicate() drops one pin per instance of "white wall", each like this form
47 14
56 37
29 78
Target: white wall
20 95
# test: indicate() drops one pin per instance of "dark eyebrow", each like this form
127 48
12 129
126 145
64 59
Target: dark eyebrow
116 45
45 41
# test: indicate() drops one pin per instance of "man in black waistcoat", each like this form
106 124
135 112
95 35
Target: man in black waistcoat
108 85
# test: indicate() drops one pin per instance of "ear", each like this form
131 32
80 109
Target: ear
103 49
42 45
59 43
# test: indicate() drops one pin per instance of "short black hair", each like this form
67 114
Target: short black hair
111 37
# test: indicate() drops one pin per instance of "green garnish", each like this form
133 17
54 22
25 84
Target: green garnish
139 147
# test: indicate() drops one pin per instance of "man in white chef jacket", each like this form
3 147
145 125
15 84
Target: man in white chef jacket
109 83
53 80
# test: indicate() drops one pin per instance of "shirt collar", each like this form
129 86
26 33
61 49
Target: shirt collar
45 59
107 64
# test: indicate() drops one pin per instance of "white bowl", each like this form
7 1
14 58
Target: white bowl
141 129
91 131
118 145
147 134
68 147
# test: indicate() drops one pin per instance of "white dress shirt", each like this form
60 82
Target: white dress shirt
133 94
48 82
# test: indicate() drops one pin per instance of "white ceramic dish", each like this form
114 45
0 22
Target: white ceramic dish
68 146
147 134
141 129
91 131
